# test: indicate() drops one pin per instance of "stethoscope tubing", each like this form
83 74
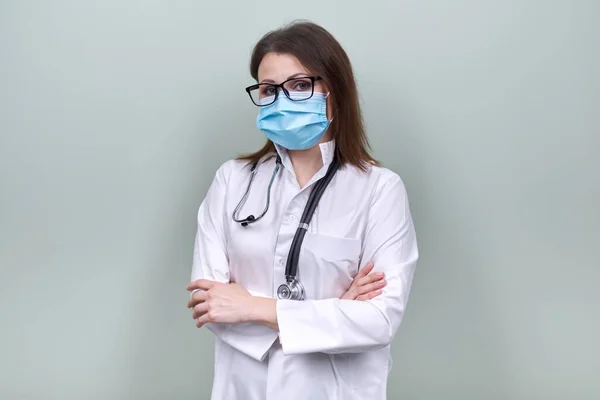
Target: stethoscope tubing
291 268
251 218
293 287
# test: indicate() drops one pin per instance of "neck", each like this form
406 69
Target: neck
306 163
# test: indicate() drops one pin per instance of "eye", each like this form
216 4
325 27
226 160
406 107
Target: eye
302 85
267 90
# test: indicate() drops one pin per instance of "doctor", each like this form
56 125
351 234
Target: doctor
305 250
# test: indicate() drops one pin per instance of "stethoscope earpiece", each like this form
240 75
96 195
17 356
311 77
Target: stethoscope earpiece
249 219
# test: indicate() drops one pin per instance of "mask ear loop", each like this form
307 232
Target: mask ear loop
326 96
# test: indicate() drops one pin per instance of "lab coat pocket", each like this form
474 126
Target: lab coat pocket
328 265
332 248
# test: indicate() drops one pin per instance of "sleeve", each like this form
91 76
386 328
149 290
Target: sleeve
210 262
347 326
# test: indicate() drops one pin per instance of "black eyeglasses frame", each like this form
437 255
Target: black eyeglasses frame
250 88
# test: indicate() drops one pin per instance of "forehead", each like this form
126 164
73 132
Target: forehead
277 67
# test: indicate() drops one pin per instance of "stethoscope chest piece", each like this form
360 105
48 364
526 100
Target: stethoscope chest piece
291 290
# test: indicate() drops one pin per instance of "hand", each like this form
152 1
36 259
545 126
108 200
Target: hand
218 302
365 286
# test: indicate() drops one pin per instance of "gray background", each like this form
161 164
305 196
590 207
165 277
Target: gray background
114 116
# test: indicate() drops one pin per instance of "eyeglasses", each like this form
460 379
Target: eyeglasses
295 89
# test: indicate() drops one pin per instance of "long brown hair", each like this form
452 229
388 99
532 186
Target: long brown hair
319 52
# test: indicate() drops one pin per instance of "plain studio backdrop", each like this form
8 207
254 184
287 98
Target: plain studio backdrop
115 115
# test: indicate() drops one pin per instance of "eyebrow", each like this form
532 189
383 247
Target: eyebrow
289 77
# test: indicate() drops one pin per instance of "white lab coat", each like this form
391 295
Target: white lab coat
326 348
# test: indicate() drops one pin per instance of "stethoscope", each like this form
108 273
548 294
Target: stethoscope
250 219
292 289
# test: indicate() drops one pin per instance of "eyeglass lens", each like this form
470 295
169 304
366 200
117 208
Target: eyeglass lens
296 89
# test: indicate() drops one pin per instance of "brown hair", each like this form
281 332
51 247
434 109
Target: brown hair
323 55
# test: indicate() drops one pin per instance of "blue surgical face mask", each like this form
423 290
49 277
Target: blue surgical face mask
294 125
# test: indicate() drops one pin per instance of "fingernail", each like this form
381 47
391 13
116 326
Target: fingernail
379 274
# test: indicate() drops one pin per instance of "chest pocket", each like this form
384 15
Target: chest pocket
328 264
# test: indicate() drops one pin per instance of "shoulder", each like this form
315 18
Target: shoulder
386 197
380 180
232 168
235 166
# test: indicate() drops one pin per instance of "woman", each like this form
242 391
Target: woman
324 330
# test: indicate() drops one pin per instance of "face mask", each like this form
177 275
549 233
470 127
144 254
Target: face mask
294 125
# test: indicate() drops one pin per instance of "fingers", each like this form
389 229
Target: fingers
202 320
365 271
369 296
200 310
198 301
199 305
370 287
206 317
363 292
197 298
372 277
349 295
203 284
363 282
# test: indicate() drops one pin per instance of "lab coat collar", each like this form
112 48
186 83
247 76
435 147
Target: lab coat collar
327 154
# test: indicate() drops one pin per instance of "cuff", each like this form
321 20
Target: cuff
252 339
307 326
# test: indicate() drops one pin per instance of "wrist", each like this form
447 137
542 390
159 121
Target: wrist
263 310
